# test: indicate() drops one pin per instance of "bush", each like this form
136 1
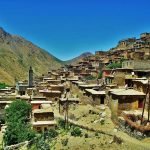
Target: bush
96 133
61 123
64 142
114 65
41 144
52 133
76 131
2 119
90 77
86 135
102 122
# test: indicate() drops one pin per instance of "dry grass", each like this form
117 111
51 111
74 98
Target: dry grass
81 114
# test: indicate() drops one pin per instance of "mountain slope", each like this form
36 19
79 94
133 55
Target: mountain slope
17 54
79 58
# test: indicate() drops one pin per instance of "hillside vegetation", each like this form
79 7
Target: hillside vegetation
18 54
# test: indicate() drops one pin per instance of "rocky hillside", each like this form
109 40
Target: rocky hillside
17 54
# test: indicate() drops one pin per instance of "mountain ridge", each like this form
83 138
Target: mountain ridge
78 58
17 54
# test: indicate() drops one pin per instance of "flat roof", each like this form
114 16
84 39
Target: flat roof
69 99
130 92
41 102
90 85
6 89
142 81
48 78
94 92
49 91
47 110
110 76
53 122
111 85
72 79
53 80
145 70
23 97
5 102
78 82
55 85
38 97
45 106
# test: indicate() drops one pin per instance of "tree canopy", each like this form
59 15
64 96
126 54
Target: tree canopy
17 121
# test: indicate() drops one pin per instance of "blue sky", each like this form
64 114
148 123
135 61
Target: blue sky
67 28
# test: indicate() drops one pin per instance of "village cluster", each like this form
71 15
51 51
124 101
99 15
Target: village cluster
118 79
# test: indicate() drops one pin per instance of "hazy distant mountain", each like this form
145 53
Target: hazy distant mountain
79 58
17 54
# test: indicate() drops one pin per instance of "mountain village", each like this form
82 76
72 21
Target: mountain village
106 95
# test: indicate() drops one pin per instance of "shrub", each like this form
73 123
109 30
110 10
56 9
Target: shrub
96 133
86 135
90 77
100 75
61 123
102 122
114 65
3 85
52 133
41 144
64 142
76 131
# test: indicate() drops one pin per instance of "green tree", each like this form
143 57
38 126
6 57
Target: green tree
3 85
114 65
100 75
17 121
90 77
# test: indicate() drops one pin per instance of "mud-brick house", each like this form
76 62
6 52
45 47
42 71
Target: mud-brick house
126 99
109 79
38 104
53 75
136 64
50 93
137 69
54 87
143 73
145 36
141 68
21 88
43 120
115 76
129 53
100 53
92 72
138 55
106 61
107 75
98 97
140 85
